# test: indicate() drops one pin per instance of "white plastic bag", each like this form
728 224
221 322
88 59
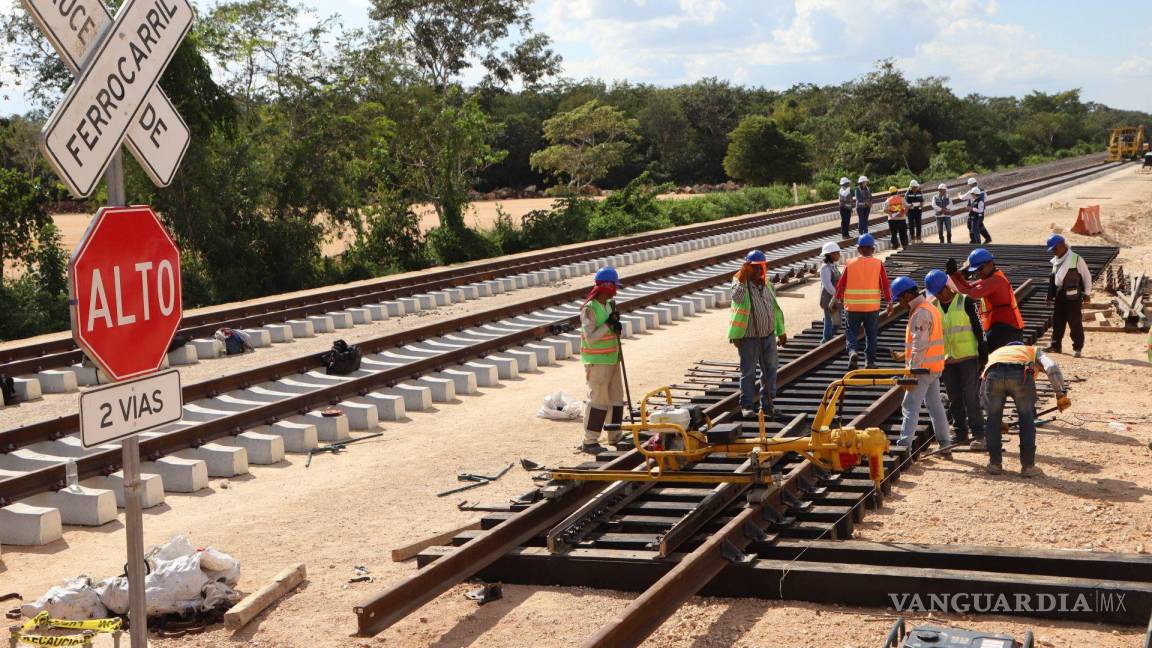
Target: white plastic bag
219 567
73 599
559 406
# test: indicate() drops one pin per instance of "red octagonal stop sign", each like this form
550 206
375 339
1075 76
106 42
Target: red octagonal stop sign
125 283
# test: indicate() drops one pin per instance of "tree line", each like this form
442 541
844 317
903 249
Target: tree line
303 131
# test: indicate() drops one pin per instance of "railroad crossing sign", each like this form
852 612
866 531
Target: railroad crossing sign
115 95
124 280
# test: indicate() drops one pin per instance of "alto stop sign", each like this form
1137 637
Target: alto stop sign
124 279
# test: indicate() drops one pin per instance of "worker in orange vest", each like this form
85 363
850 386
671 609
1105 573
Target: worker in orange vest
923 351
862 289
999 311
897 212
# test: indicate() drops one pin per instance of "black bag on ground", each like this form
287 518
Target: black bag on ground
342 359
8 387
178 341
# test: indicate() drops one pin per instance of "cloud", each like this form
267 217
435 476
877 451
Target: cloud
1135 67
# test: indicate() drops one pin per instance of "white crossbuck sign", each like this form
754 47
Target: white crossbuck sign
115 97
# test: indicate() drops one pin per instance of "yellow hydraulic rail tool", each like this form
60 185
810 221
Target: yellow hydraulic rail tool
1126 143
670 449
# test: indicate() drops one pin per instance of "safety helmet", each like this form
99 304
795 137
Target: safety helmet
914 184
845 181
866 241
942 186
607 274
893 189
971 182
1053 241
755 256
935 281
979 257
829 248
861 179
901 285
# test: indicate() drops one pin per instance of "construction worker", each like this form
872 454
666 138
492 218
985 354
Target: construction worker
999 313
914 201
897 213
756 325
862 201
964 354
845 206
862 289
1069 286
923 349
600 329
977 198
829 277
942 206
1011 372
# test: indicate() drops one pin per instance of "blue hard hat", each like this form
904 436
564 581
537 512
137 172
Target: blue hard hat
935 281
755 256
607 274
901 285
1053 241
979 257
866 241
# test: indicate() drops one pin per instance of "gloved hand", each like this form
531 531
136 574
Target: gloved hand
617 326
782 339
1063 402
951 268
1085 298
613 318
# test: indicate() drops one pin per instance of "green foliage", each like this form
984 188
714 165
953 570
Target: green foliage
23 218
630 210
566 222
951 159
586 143
458 244
391 240
36 300
760 153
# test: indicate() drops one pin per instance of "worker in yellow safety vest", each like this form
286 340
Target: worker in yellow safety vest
1011 371
923 351
755 328
600 329
964 354
862 289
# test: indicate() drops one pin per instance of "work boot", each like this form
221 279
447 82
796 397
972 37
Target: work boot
592 448
853 361
1031 471
994 469
946 455
747 413
978 444
870 365
1076 353
1052 348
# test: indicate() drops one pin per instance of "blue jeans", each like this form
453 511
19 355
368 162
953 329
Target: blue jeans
754 352
862 217
926 392
944 224
871 322
830 325
1002 381
976 229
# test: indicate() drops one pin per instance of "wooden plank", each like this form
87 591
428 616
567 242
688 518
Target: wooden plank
273 590
409 551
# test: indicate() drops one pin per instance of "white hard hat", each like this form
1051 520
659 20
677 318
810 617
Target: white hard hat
829 248
942 186
845 181
862 179
971 181
914 184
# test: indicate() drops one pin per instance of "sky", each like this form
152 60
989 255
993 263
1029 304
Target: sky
991 47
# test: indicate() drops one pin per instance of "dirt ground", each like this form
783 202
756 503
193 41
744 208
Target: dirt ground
353 509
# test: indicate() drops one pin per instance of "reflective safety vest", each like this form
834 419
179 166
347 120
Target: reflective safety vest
742 314
959 340
986 307
602 350
862 291
934 355
1020 354
895 208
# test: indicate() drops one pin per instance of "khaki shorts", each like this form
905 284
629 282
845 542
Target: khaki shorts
605 385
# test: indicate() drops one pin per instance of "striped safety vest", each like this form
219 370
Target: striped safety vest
986 307
1020 354
862 291
934 356
605 349
959 340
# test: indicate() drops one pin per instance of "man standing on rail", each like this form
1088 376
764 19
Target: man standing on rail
1069 286
755 328
942 206
862 289
845 206
924 350
897 213
977 198
964 356
999 313
600 329
862 201
914 201
1011 371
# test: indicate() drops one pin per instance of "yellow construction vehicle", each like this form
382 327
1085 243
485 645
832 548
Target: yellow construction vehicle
670 448
1126 143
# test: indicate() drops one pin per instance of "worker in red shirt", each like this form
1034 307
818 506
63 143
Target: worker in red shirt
999 313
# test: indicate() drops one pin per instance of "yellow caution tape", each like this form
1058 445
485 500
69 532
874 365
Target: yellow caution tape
56 641
99 625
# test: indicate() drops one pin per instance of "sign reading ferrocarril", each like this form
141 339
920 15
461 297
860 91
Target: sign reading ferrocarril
89 125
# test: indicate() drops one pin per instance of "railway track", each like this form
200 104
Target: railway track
670 542
256 415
